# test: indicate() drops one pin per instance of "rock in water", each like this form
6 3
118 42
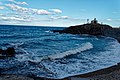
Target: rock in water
10 51
1 51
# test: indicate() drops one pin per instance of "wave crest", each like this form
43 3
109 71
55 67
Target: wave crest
84 47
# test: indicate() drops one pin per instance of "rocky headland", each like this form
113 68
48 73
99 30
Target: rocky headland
96 29
93 28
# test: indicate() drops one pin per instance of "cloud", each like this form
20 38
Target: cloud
19 3
64 17
40 11
12 18
1 15
113 20
17 8
109 19
23 14
2 7
58 11
59 17
15 19
43 12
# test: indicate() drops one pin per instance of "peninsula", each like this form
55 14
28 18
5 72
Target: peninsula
93 28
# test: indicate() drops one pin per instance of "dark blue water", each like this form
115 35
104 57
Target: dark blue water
45 54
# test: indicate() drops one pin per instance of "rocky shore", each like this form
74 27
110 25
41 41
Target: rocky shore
93 28
96 29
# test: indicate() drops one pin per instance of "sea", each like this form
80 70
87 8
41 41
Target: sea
42 53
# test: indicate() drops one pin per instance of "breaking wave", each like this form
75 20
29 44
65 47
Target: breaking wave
84 47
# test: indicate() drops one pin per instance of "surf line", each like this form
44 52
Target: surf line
83 47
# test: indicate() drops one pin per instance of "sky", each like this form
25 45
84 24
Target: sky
61 13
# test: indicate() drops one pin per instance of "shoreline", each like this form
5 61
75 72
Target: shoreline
96 29
110 73
102 74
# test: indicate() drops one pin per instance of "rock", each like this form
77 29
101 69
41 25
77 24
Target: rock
1 51
9 52
93 28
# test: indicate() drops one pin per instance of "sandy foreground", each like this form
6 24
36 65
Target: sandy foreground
110 73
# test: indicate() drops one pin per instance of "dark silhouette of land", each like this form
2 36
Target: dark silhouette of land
93 28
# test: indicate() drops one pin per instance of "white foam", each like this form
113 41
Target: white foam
48 31
84 47
15 45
